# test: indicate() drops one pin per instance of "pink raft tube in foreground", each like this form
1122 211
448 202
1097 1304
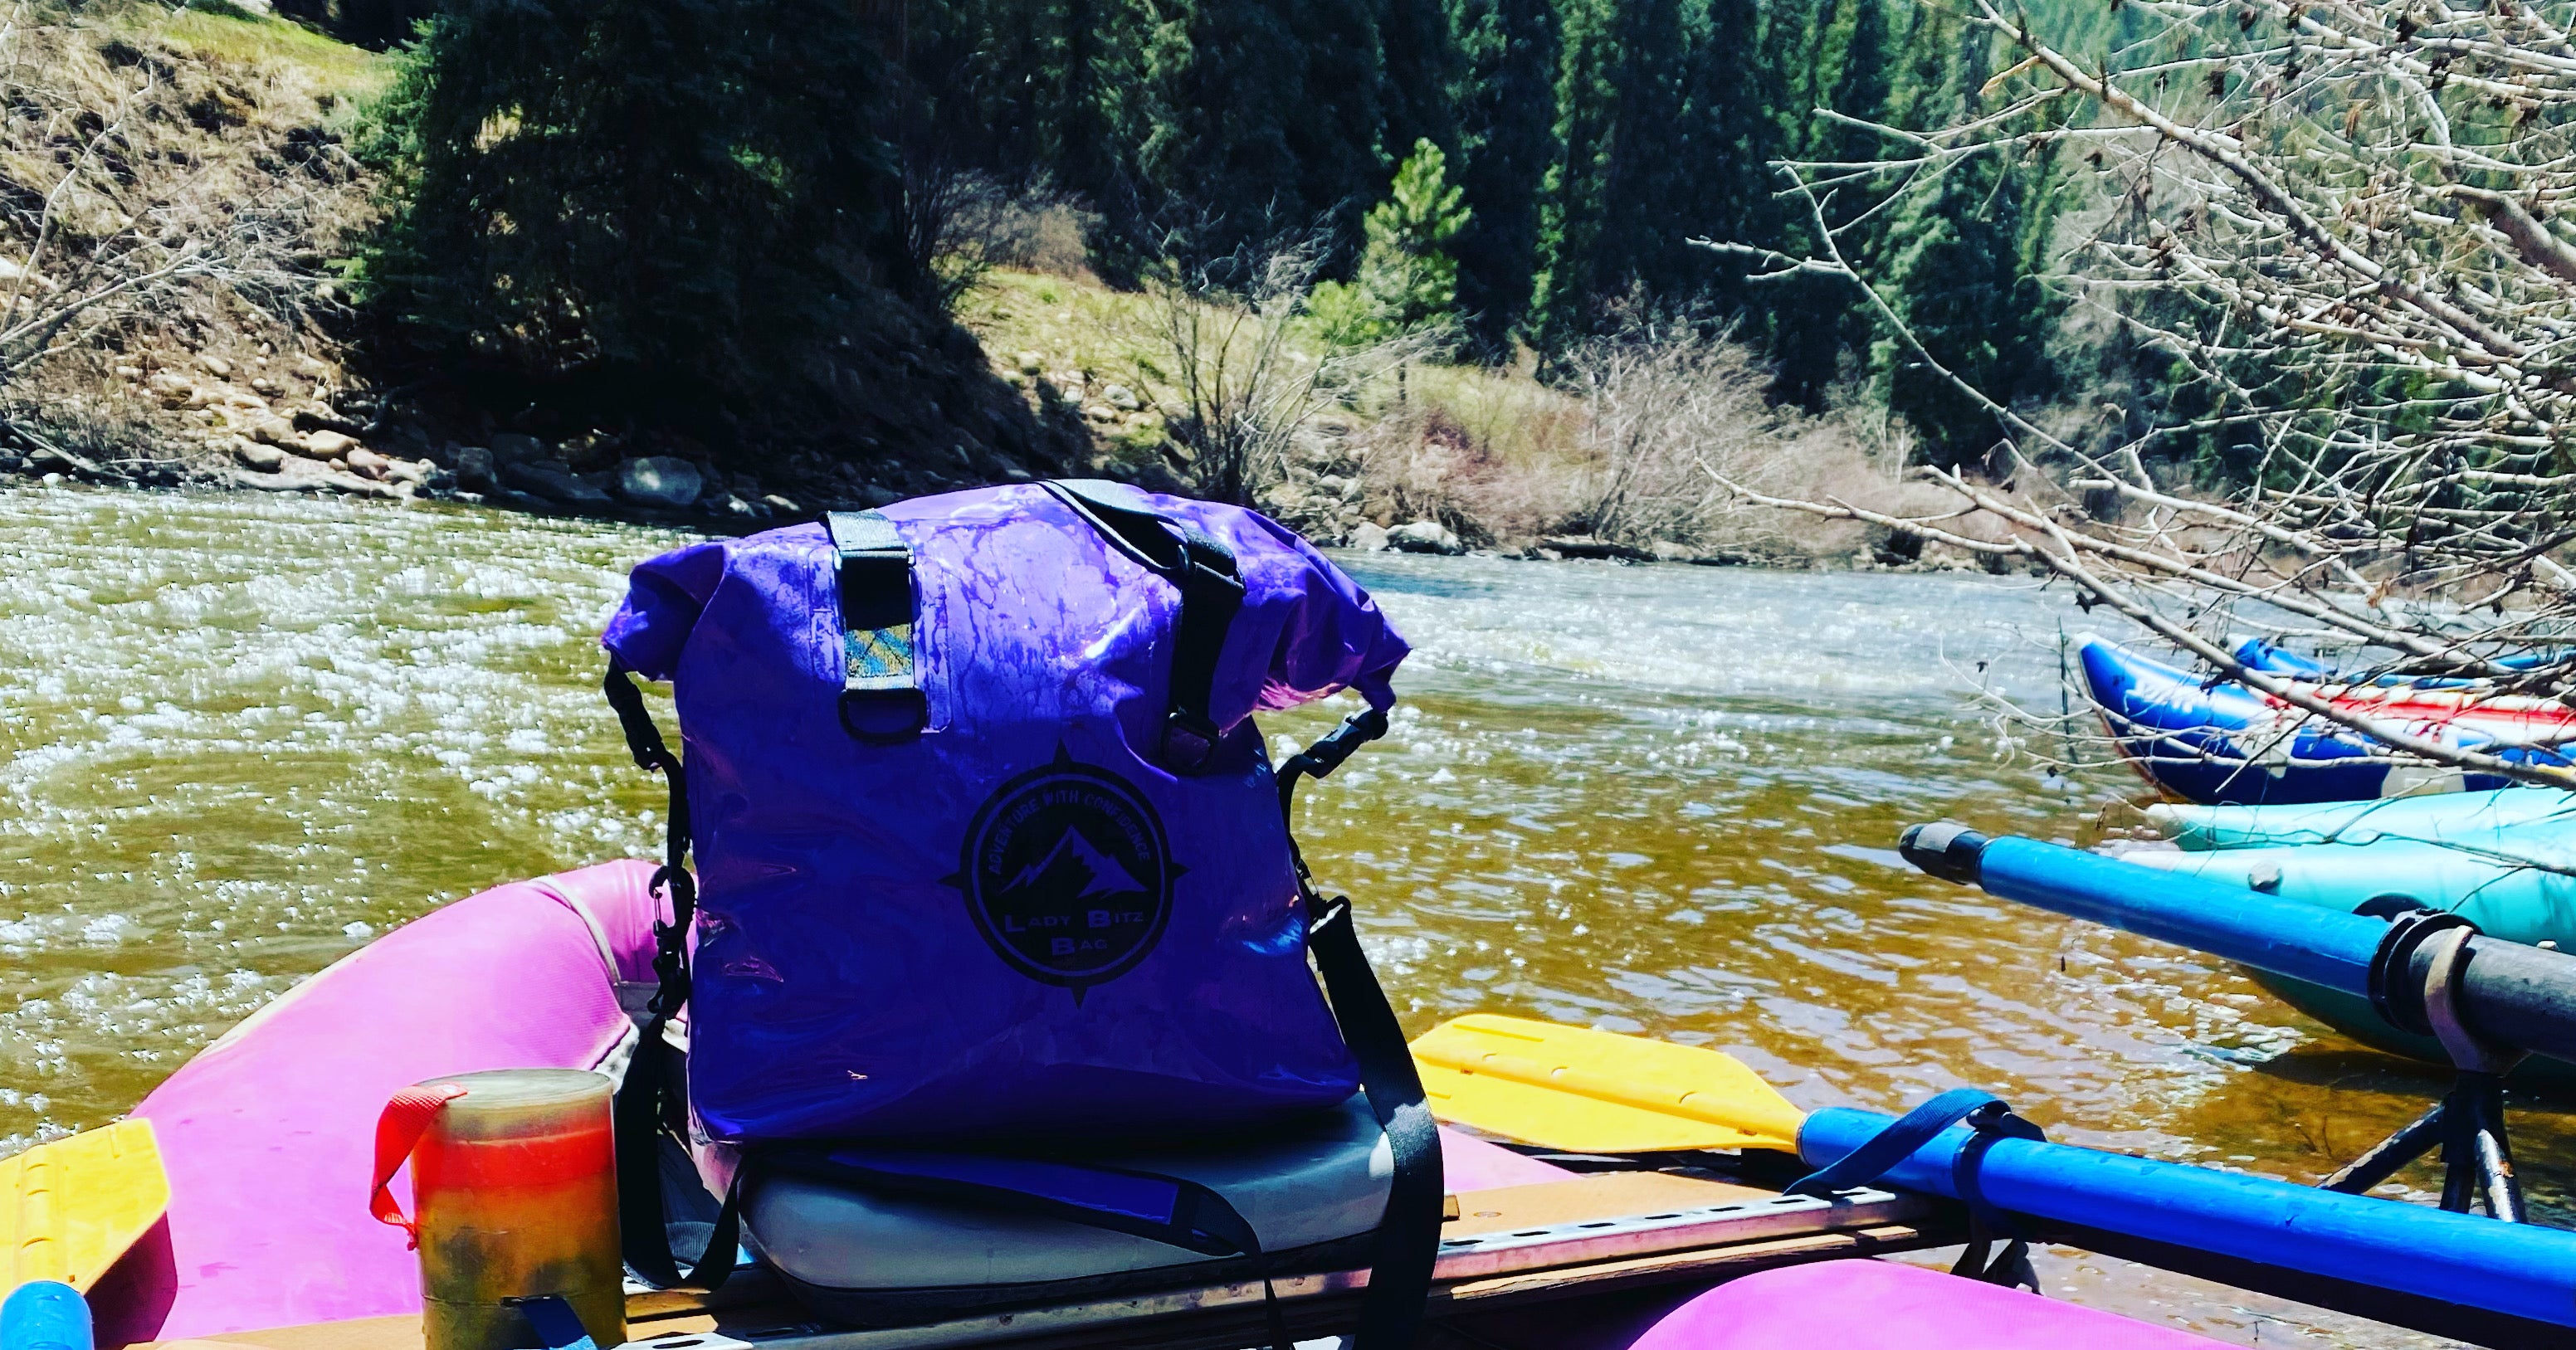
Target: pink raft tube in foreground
268 1135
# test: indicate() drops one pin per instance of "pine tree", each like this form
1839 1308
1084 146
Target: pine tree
1253 118
1336 130
1505 100
1608 222
1729 140
1814 320
1418 77
1964 276
685 191
1408 282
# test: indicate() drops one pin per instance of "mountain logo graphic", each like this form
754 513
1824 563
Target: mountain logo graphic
1074 865
1067 874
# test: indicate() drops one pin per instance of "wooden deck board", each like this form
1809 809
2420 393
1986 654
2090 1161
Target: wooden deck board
755 1310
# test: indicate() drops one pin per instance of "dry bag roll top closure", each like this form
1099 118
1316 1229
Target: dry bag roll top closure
988 845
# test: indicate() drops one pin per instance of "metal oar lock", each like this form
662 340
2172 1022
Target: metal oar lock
2489 1003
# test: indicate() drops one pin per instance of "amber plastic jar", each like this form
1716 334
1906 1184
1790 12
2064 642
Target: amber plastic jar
516 1186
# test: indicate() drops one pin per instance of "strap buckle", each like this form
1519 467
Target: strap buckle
1189 742
881 697
885 716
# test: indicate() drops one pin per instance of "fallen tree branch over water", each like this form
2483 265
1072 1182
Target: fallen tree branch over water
2339 222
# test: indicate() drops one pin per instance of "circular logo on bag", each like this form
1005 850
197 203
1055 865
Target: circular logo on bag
1067 874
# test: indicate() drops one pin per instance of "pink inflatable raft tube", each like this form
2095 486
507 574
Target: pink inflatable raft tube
268 1135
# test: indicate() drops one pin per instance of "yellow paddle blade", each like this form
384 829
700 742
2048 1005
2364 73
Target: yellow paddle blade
68 1209
1586 1091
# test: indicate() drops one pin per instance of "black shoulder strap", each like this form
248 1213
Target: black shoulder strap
642 1104
1991 1120
1211 592
881 698
1408 1236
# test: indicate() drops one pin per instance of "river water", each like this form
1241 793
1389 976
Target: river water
241 736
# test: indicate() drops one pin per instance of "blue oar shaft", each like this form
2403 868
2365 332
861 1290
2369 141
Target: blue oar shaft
2285 937
2507 993
2511 1268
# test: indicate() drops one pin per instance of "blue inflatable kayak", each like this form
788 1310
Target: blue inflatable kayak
2217 742
2292 931
2261 655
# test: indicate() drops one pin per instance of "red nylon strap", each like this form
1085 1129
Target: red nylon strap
406 1117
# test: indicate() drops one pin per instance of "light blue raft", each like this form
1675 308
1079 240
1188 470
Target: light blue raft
2483 820
2517 884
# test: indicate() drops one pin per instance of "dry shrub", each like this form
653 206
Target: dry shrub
1627 449
1040 230
1225 339
1425 463
962 223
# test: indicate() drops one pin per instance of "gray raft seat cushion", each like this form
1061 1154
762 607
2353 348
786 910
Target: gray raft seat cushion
1313 1190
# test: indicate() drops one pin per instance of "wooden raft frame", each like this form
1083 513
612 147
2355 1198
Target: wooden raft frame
1595 1235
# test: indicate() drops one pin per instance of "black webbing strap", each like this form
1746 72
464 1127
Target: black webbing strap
1211 590
881 698
643 1107
1408 1237
1992 1121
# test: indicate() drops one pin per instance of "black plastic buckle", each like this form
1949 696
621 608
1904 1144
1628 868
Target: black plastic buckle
1325 755
884 716
1205 560
1189 743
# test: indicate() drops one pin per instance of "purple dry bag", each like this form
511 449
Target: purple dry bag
988 845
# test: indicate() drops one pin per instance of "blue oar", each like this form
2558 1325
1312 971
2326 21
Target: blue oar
2502 993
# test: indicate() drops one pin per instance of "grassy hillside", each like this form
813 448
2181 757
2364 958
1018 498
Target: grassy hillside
180 196
1620 448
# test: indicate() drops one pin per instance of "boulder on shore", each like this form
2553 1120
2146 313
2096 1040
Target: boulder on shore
551 481
1590 547
1425 536
660 480
509 447
253 455
1368 537
474 468
329 445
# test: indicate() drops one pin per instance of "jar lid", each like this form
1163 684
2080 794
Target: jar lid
521 1100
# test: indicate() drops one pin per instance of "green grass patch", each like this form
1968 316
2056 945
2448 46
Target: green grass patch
222 31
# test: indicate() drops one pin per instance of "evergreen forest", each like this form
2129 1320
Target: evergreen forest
697 191
1590 142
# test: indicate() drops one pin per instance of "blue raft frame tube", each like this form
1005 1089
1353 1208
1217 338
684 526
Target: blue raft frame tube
2507 994
45 1315
2285 937
2515 1269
